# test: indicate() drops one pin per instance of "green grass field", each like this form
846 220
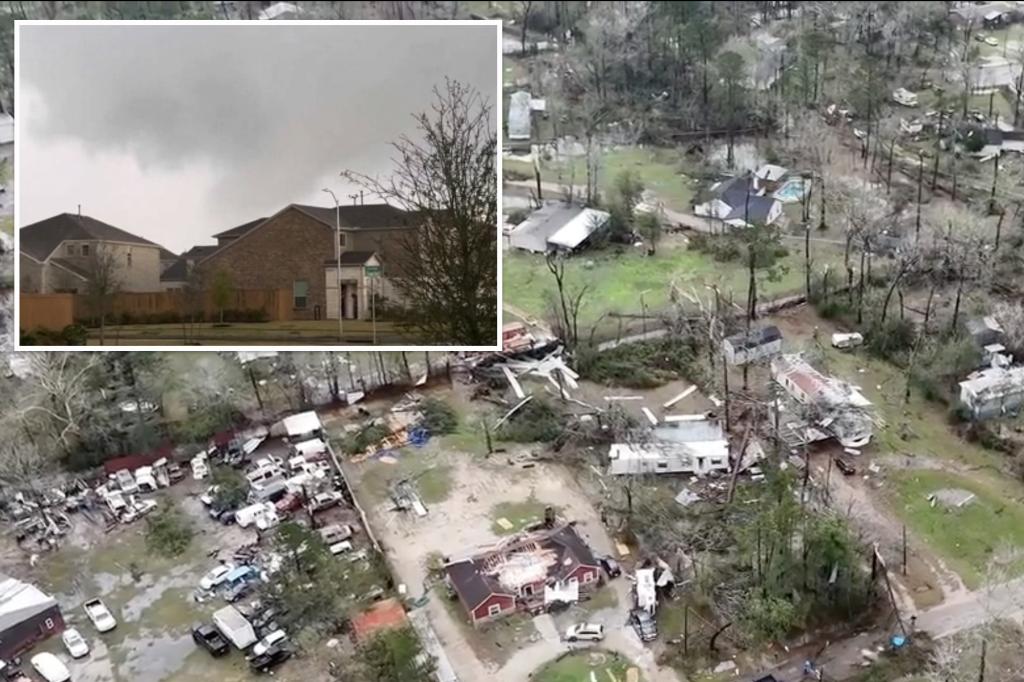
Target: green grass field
616 280
585 666
966 537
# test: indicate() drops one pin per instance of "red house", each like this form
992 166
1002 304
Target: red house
526 572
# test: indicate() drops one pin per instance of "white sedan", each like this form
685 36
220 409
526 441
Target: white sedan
216 576
51 668
585 632
75 643
261 647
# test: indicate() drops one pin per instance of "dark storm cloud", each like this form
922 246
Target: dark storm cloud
258 116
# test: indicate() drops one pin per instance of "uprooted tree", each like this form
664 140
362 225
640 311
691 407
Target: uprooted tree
448 265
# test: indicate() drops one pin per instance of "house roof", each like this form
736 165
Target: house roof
364 216
579 228
20 601
734 190
755 338
384 615
546 223
302 423
530 557
40 239
754 209
519 122
469 584
71 267
167 254
238 230
352 258
178 270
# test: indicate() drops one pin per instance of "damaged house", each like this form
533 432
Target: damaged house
526 572
756 344
838 408
695 447
557 227
993 392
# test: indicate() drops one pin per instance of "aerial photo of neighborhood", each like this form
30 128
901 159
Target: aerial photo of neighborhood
246 184
755 414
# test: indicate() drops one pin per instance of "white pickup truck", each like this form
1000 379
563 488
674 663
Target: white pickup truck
100 615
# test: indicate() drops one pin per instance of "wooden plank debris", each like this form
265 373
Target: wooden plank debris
513 382
679 397
513 410
650 415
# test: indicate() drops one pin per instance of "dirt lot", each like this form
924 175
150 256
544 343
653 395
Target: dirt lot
151 597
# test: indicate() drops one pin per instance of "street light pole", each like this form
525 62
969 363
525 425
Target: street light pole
337 261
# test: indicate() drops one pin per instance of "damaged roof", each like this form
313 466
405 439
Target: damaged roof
754 338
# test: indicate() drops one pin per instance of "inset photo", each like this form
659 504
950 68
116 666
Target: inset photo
226 184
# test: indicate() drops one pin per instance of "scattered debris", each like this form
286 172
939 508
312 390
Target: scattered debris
679 397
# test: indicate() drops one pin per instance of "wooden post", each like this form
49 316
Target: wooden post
904 549
725 375
686 628
981 669
828 478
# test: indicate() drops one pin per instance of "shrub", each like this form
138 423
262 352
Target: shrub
71 335
512 174
893 337
536 421
364 438
438 416
834 308
639 365
168 533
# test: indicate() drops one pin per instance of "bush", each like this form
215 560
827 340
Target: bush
438 416
836 307
71 335
536 421
232 488
168 533
647 364
890 339
367 436
512 174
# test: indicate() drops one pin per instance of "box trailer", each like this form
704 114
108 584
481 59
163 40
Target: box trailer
233 625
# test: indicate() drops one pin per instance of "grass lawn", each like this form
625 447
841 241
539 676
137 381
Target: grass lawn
585 666
660 170
518 514
7 226
968 536
616 279
494 642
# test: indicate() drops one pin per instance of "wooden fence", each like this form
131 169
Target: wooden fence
56 311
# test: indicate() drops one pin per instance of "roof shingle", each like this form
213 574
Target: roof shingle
39 240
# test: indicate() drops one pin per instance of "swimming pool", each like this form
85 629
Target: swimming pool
793 190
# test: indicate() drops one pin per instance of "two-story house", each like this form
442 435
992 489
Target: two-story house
59 253
294 249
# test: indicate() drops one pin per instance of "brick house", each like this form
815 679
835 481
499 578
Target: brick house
58 253
27 615
294 250
527 572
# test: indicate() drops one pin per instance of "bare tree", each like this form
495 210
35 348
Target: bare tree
525 9
103 281
448 265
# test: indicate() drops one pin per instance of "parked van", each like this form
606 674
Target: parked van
310 449
263 473
246 516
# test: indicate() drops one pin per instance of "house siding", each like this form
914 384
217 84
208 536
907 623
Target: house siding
20 637
142 275
31 275
506 602
580 575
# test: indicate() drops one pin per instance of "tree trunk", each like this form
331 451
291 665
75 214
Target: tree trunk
860 289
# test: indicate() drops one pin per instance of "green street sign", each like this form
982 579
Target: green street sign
371 270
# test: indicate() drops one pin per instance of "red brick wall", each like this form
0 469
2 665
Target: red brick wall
291 246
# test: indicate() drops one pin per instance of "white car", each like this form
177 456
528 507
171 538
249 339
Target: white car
215 577
585 632
100 615
208 497
325 500
340 547
75 643
51 668
261 647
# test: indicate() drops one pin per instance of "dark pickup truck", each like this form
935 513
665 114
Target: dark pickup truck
210 639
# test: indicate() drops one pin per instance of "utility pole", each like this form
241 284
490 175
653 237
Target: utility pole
337 261
904 549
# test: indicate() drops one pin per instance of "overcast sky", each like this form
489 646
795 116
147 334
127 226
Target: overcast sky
175 133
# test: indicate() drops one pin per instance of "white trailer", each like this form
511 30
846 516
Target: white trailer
233 625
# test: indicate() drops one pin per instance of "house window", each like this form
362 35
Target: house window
85 249
662 465
48 623
527 590
71 249
300 293
494 609
341 239
129 259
